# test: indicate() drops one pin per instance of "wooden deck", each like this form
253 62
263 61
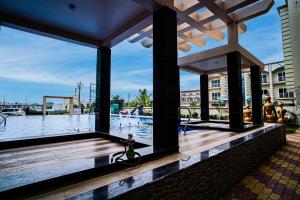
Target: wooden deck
202 138
191 144
26 162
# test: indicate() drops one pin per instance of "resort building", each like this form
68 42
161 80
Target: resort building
274 84
189 96
218 90
290 27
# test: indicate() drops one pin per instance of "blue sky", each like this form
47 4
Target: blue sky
32 66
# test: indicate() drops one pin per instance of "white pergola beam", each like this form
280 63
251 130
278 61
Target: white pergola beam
204 55
232 5
252 11
194 26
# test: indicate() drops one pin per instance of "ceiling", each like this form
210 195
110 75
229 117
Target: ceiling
90 22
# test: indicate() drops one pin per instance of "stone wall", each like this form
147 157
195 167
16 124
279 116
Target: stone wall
210 178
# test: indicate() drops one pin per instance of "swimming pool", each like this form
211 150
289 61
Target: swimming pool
18 127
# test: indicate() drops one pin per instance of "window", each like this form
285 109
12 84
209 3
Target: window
282 92
285 94
264 78
281 76
291 94
215 83
183 99
265 92
215 95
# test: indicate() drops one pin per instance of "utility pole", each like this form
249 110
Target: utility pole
79 87
91 93
90 100
128 100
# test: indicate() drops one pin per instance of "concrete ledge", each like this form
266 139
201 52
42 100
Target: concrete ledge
210 178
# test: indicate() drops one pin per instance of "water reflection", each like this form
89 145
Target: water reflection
18 127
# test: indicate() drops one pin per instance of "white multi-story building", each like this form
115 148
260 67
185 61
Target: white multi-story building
273 79
290 24
276 84
189 96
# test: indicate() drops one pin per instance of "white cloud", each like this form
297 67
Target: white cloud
126 48
25 57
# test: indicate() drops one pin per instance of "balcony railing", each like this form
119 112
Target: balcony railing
215 85
286 95
281 79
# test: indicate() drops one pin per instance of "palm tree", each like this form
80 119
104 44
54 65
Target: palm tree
116 97
143 98
193 105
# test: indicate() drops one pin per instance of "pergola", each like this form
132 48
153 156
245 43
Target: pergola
71 106
198 20
168 25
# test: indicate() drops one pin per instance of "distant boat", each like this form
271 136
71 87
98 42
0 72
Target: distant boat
13 112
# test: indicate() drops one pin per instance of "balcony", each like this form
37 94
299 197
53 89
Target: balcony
286 95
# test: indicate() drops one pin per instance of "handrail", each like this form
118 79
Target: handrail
3 121
187 122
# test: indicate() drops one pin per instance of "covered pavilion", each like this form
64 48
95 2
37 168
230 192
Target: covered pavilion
168 26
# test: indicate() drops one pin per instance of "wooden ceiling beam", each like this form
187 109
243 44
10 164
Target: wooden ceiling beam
232 5
129 29
253 11
220 13
197 25
203 55
192 69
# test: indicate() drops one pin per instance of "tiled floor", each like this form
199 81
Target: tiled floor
276 178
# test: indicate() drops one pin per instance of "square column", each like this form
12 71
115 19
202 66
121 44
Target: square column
256 95
166 92
235 90
204 97
102 110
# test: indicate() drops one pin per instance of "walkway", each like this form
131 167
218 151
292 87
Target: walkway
277 178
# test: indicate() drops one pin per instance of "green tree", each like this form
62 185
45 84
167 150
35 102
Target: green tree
219 104
133 103
194 104
117 97
143 98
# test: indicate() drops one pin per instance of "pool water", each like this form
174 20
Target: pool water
18 127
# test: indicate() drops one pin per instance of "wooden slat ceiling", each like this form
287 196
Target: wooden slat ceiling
202 19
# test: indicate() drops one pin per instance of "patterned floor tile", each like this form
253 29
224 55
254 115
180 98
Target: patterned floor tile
277 178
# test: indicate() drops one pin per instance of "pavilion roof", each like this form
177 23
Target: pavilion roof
202 19
106 23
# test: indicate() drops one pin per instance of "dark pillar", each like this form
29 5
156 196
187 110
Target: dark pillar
204 97
166 92
235 90
102 111
256 95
